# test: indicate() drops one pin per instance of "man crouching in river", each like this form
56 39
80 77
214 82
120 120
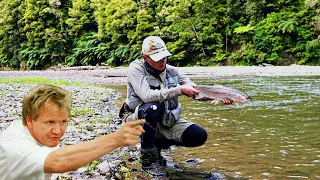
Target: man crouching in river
29 148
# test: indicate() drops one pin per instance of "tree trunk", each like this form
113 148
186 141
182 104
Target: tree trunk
197 38
226 39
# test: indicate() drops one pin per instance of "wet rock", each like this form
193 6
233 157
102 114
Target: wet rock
216 176
88 127
194 161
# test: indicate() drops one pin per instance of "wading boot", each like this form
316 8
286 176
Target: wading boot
162 160
150 162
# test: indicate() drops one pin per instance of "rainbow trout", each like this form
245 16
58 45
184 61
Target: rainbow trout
218 93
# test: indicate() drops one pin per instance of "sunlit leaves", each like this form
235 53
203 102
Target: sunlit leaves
80 17
244 29
312 3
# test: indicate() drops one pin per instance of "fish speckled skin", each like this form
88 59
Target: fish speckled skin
219 92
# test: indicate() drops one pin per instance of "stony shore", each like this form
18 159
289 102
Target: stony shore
117 76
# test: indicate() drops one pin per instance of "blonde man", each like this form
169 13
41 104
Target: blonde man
29 148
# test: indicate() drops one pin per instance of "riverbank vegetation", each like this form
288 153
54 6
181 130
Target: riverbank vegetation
39 80
37 34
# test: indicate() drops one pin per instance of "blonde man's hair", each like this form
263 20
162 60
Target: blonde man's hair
41 95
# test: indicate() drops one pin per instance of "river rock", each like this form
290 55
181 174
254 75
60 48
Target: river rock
194 161
3 114
104 167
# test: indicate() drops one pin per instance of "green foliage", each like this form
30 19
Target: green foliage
88 50
288 26
243 29
11 35
248 55
284 36
37 34
45 41
81 111
92 166
80 18
117 23
121 54
255 10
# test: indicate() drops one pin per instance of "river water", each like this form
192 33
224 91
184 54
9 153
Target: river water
274 137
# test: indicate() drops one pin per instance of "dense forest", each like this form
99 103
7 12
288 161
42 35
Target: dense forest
37 34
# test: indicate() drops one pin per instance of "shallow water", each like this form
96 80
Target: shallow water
274 137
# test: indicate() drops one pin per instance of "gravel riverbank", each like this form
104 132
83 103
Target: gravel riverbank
117 76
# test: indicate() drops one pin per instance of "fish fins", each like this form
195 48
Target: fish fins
197 97
214 102
200 97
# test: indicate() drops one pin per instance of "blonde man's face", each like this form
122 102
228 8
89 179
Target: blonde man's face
50 125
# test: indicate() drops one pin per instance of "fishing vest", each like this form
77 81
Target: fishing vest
172 108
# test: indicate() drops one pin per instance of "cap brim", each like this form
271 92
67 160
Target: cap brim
158 56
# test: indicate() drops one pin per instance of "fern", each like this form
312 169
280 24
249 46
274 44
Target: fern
244 29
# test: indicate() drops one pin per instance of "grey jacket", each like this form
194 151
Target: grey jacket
139 90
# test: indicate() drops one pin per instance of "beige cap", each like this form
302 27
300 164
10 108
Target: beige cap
155 48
